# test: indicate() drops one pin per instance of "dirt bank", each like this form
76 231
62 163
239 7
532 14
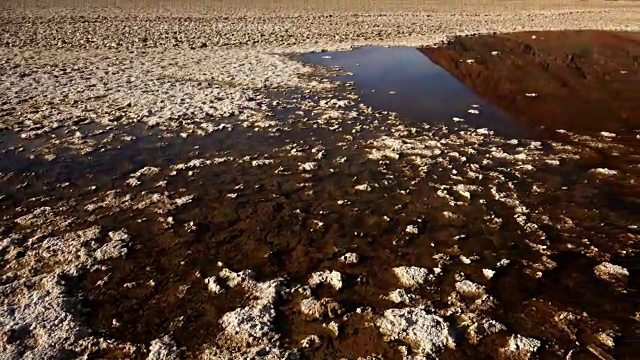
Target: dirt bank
582 81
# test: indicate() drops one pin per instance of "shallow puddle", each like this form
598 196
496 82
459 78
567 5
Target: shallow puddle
405 81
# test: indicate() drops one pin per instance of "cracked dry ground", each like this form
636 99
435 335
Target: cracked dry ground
306 225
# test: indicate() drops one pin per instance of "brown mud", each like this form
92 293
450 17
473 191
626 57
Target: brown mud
583 81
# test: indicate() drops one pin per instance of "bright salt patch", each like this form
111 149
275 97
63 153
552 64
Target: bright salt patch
411 229
611 273
318 309
470 289
483 328
111 250
363 187
603 171
146 171
332 278
309 166
488 273
411 276
400 296
350 258
213 285
39 307
163 349
426 333
250 325
261 162
521 346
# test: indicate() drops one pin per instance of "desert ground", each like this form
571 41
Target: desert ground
178 180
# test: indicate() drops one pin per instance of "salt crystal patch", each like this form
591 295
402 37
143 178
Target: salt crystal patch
473 111
249 325
310 341
603 171
350 258
488 273
427 334
521 346
470 289
119 235
261 162
483 328
363 187
163 349
334 327
400 296
608 134
411 276
331 277
611 273
411 229
111 250
212 285
309 166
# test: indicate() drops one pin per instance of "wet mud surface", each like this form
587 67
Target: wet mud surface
582 81
329 229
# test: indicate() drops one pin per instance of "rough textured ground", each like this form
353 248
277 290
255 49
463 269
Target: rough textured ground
173 186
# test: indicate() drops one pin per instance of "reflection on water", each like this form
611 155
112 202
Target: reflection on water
403 80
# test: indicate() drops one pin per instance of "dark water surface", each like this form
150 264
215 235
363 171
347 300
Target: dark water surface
405 81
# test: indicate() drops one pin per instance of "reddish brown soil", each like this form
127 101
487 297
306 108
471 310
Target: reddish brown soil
586 81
